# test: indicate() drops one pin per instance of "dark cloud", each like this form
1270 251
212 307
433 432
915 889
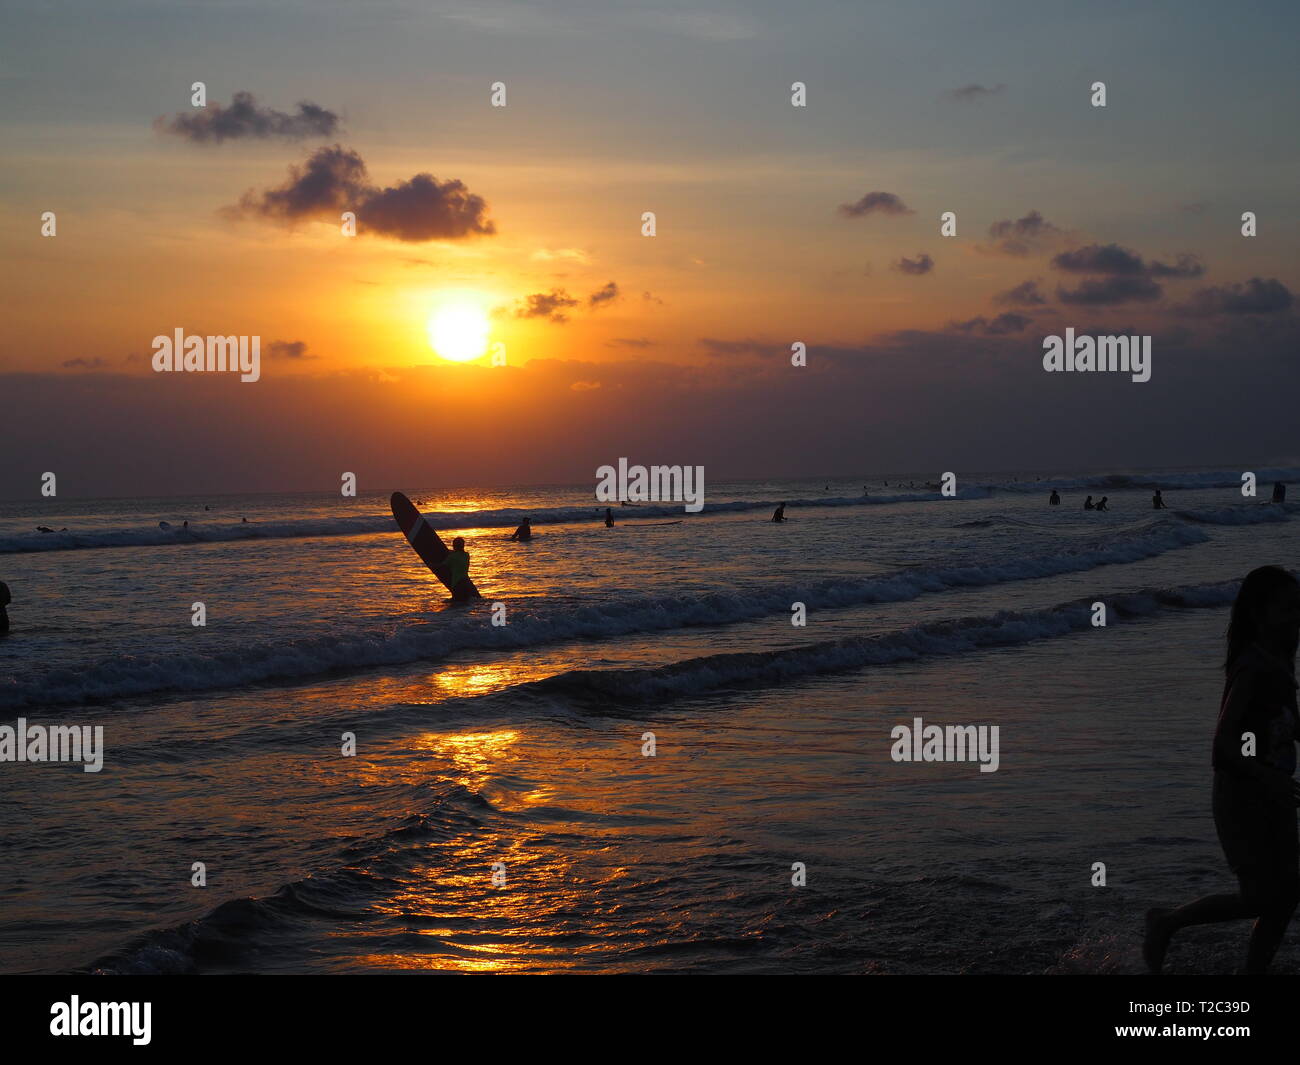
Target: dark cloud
922 264
549 305
630 342
244 120
875 203
95 363
1256 296
1111 260
1002 325
1025 294
974 92
1187 266
289 349
1107 291
334 180
605 295
1021 236
650 297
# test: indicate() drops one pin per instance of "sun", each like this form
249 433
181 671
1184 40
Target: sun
459 332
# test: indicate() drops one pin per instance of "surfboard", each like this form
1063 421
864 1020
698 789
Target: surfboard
426 543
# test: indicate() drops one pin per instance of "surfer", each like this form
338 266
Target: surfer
1255 793
5 600
778 515
1087 504
524 533
1279 492
458 563
1101 503
609 518
1157 501
1054 499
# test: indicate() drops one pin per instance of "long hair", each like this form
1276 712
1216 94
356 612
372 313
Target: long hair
1260 586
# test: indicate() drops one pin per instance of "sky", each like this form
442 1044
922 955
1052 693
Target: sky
522 227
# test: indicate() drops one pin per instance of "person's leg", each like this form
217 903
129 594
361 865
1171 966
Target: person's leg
1211 909
1279 891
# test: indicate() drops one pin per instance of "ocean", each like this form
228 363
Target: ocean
627 757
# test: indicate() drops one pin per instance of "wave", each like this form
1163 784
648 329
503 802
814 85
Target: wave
307 656
1240 514
450 520
1174 479
762 668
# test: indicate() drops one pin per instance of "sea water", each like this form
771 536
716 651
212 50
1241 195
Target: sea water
647 767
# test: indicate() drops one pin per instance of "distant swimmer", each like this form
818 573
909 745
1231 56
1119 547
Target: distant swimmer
245 520
5 600
458 563
779 513
524 533
1054 499
185 525
206 507
1101 503
1157 501
609 518
1279 492
43 529
1087 504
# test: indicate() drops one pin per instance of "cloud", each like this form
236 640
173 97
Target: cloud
584 386
1112 260
715 346
631 342
1256 296
96 363
1107 291
334 179
571 255
875 203
650 297
604 295
1021 236
1187 266
1002 325
1025 294
973 92
548 305
922 264
289 349
244 120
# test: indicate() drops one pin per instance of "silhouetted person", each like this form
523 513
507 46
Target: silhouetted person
1101 503
1279 492
609 518
458 563
1255 794
1054 499
1158 502
185 525
5 600
524 533
779 513
1087 504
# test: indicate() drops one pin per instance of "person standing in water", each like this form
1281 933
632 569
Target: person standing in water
778 515
5 600
1101 503
1054 499
458 563
609 518
1255 793
1158 502
1279 492
1087 503
524 533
